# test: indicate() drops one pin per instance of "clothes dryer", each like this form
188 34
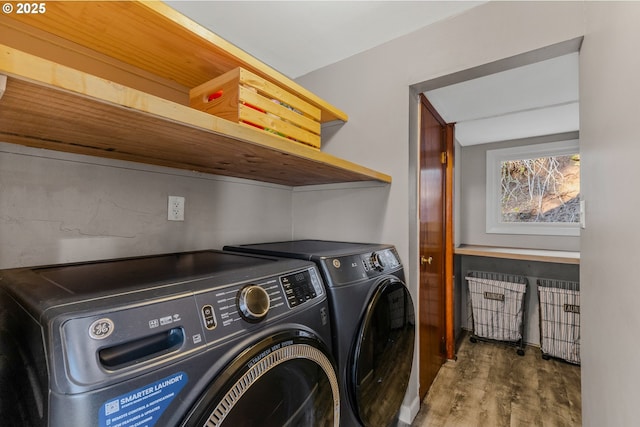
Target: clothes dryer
187 339
373 321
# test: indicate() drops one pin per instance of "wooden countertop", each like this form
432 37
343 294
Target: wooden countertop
561 257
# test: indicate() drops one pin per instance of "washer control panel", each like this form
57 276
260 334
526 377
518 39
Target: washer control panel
301 287
102 345
232 309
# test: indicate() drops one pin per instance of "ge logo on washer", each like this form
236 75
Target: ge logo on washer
101 329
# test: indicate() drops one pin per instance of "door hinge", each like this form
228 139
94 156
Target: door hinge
443 157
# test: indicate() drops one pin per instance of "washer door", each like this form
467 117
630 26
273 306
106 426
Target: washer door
383 354
285 380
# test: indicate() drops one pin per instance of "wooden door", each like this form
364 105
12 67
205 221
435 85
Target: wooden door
436 142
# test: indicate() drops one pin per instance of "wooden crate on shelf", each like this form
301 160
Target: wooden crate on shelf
243 97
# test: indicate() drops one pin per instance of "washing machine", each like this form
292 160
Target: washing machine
204 338
373 321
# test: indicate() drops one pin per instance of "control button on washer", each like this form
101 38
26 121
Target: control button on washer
253 303
209 320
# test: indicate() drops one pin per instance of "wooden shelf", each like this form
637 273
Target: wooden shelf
147 35
111 79
47 105
560 257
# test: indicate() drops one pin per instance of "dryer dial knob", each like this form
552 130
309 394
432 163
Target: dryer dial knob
253 303
376 262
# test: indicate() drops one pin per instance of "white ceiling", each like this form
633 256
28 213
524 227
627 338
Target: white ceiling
297 37
533 100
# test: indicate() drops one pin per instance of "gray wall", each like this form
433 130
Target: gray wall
609 93
374 88
472 164
57 207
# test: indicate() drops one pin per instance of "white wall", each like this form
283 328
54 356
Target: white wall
57 207
374 89
610 149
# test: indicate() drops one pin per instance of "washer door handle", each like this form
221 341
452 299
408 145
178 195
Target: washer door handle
145 348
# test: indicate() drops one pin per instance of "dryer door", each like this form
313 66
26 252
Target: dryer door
383 354
285 380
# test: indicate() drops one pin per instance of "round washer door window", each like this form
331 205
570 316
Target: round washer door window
383 354
285 380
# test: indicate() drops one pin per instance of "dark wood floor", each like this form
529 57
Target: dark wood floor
490 385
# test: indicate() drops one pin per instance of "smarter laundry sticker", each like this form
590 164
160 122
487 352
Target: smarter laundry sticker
144 406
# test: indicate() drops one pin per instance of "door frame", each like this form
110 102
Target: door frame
448 244
448 237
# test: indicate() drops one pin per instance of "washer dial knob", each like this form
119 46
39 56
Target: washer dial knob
376 262
253 303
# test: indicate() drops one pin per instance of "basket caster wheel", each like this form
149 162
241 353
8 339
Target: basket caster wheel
473 340
546 357
520 352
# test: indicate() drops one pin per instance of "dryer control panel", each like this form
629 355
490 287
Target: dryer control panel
350 268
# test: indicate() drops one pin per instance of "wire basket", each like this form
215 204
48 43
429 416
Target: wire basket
497 306
559 319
